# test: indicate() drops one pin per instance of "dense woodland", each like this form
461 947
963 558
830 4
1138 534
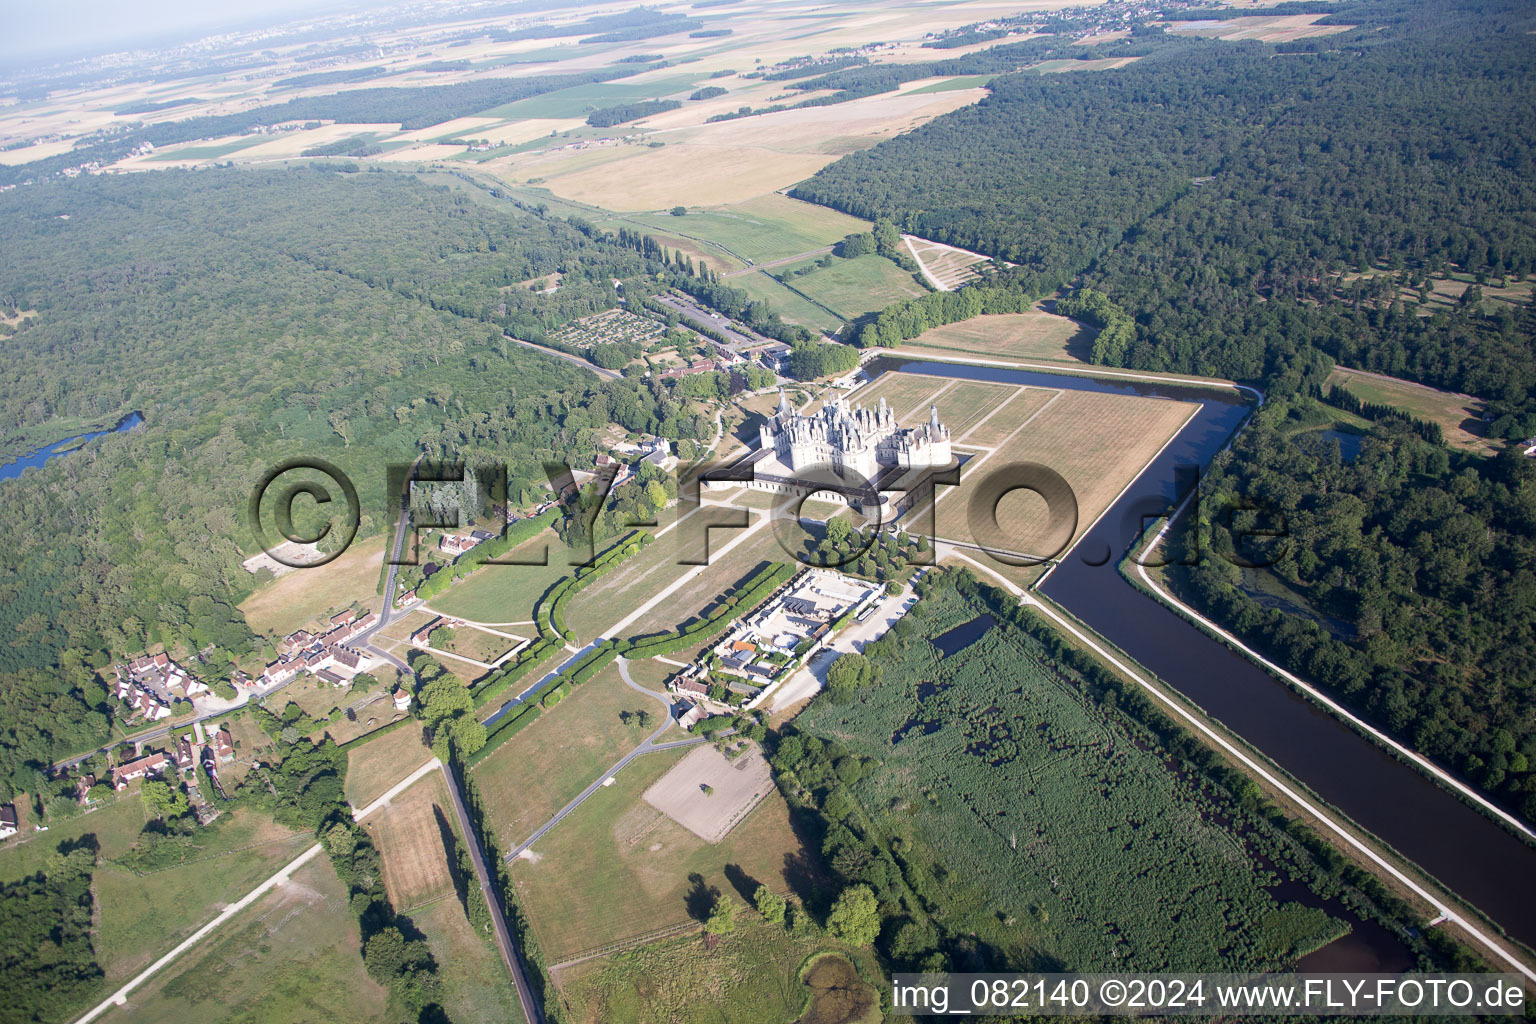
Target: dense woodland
254 317
1261 212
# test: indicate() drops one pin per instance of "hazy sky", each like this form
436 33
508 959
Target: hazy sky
49 28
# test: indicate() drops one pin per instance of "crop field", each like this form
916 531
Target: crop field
1004 787
680 174
504 595
373 767
1097 442
1033 335
539 770
708 794
611 326
751 976
770 227
951 84
301 597
1278 29
1460 416
618 868
294 955
409 836
851 288
579 101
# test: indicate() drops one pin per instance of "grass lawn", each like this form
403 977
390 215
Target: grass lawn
617 868
301 597
753 975
469 642
208 152
908 394
1033 335
293 956
723 573
376 765
140 917
1460 416
768 227
967 404
851 288
475 986
791 305
115 826
1097 442
1004 419
542 768
506 593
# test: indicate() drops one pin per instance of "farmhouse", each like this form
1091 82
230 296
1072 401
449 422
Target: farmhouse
7 821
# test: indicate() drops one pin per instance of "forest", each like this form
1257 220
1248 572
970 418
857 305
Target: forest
1261 213
979 791
253 317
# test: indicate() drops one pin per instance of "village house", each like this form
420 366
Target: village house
7 821
224 746
343 618
456 543
147 767
690 714
185 758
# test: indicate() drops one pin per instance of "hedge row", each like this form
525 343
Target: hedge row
504 730
475 557
375 734
752 593
528 658
552 615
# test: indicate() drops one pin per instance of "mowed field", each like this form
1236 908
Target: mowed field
409 834
770 227
139 917
293 956
476 988
1460 416
851 288
542 768
752 975
1097 442
506 594
619 869
1032 335
301 597
373 767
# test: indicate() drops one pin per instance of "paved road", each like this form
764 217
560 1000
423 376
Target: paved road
533 1013
605 374
649 746
386 612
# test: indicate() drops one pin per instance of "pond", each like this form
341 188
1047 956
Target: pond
963 635
34 459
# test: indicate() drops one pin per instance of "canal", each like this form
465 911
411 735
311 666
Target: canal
1467 851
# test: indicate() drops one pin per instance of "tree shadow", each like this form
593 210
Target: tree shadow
450 847
745 885
701 897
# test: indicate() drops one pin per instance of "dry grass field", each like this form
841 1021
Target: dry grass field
409 836
619 869
539 770
1034 335
376 765
1460 416
476 988
708 794
1097 442
303 596
1001 421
